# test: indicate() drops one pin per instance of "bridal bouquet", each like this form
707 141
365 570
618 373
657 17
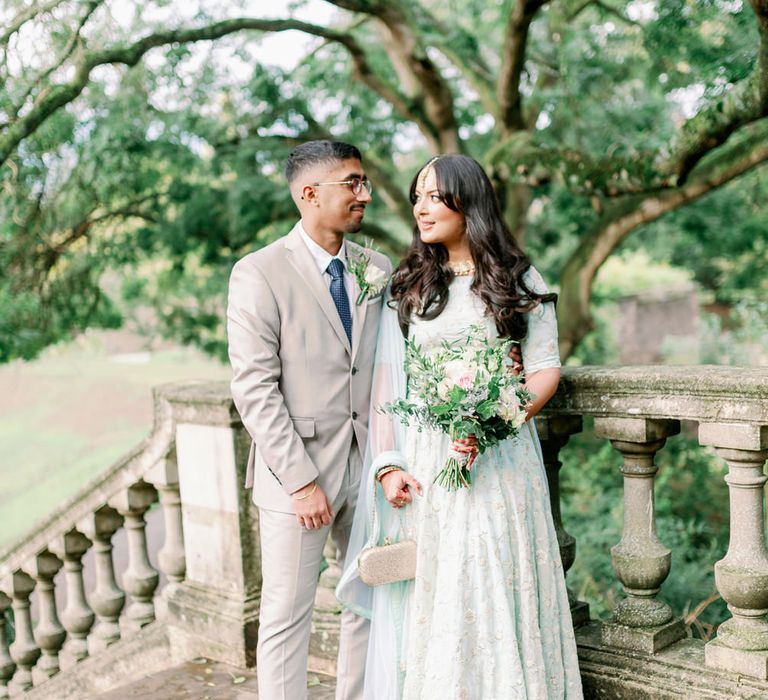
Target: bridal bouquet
463 388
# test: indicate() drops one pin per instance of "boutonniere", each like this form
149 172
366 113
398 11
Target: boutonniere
370 278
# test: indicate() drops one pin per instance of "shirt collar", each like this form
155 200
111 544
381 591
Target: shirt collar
321 256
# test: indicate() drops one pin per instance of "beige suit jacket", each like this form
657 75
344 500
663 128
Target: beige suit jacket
301 390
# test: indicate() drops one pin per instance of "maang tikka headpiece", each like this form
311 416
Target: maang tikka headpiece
426 169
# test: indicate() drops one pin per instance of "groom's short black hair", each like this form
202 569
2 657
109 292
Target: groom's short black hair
315 152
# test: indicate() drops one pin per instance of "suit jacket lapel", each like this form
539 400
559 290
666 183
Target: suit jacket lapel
358 310
300 257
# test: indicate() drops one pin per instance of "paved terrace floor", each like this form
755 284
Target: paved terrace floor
202 679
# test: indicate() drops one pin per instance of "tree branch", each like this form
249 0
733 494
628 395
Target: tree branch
512 61
460 48
743 104
66 53
534 163
408 54
622 217
618 14
59 95
53 250
603 6
25 16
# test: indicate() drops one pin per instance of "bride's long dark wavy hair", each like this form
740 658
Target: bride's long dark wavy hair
420 283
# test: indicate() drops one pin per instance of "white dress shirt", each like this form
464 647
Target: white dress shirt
322 260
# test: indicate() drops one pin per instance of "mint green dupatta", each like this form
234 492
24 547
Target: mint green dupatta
385 606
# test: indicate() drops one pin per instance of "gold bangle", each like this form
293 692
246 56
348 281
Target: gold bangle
307 495
386 470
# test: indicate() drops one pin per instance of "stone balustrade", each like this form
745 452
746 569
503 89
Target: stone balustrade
192 467
638 409
91 620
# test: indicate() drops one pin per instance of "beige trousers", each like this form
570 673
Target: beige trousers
290 565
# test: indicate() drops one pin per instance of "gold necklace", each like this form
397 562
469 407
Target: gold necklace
462 268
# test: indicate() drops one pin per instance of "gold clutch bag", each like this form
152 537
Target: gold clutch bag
388 563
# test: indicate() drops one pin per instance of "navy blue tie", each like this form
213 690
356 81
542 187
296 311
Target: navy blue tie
339 294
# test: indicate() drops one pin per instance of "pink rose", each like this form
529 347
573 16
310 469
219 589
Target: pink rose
466 381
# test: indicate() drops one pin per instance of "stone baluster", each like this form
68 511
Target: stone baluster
324 638
77 617
7 667
106 599
140 578
49 634
171 557
741 576
554 432
171 560
640 621
24 650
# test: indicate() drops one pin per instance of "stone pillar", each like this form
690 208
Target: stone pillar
24 650
77 617
49 634
171 561
554 432
741 576
107 600
214 611
140 578
640 621
7 667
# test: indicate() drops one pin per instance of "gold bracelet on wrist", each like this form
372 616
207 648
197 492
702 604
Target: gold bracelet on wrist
386 470
307 495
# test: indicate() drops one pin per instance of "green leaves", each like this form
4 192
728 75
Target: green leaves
441 409
485 409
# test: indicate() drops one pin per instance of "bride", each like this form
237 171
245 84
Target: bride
487 615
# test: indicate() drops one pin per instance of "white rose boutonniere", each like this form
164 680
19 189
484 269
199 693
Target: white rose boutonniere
371 279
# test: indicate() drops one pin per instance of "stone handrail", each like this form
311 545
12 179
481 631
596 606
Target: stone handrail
124 472
704 393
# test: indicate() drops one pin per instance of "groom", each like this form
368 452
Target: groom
303 316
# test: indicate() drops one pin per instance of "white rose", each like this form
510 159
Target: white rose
509 405
519 419
375 276
444 389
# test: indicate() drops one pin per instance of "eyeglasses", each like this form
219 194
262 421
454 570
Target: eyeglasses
356 184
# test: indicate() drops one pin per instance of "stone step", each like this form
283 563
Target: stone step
203 679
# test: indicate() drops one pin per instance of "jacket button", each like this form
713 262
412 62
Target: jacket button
354 415
354 371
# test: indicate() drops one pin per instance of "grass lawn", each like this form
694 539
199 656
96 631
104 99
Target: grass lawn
71 414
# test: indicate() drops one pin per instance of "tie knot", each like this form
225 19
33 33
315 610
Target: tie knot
336 268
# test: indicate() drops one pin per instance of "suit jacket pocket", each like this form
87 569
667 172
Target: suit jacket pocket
305 427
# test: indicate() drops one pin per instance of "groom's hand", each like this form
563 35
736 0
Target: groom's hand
397 487
311 506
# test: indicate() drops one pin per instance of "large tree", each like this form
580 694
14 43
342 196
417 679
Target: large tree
148 136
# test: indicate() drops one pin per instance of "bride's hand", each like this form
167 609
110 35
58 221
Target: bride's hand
516 360
468 446
397 485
